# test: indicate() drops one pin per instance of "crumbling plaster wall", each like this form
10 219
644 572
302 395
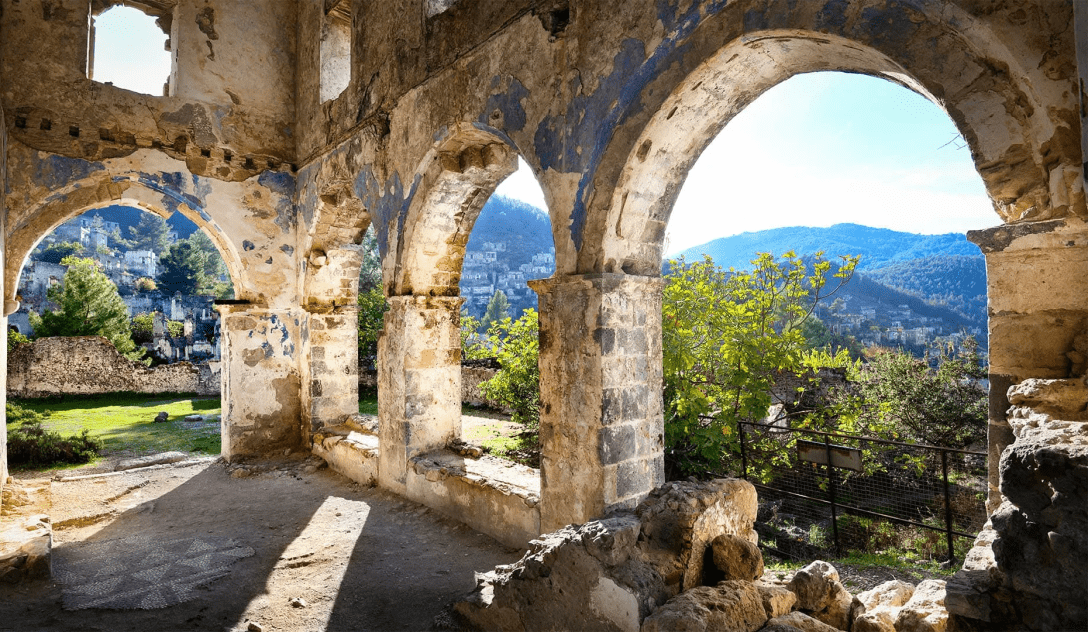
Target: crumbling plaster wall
3 313
231 117
575 101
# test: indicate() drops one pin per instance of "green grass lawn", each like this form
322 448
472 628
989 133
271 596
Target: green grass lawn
125 422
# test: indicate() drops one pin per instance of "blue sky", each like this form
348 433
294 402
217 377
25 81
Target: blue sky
816 150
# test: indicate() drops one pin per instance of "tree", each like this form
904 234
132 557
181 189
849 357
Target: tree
725 335
498 308
89 305
517 384
150 233
213 262
56 252
372 307
145 284
182 268
937 400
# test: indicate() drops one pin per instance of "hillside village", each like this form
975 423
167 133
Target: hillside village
196 339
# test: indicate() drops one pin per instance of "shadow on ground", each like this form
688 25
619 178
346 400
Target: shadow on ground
348 557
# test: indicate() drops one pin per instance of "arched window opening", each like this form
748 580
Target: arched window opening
336 29
131 49
114 283
510 244
850 165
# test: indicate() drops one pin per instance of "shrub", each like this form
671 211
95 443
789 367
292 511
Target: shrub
15 339
33 445
517 384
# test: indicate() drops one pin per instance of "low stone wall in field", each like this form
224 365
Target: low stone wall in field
87 365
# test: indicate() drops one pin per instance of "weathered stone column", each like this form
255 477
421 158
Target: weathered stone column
330 336
261 386
601 422
419 377
1037 290
331 368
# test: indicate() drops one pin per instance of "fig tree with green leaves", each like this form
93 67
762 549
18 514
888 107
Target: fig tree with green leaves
725 335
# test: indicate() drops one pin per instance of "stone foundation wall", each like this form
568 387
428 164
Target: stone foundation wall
90 364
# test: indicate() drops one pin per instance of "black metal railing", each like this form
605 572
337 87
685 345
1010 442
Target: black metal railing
812 483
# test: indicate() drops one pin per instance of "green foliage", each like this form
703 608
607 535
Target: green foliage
57 252
725 335
146 284
151 233
30 444
143 327
498 308
182 269
517 384
89 306
15 339
473 346
372 307
938 400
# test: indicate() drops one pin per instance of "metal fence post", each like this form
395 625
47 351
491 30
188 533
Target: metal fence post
831 495
743 452
947 506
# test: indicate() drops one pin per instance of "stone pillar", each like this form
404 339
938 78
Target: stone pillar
331 368
419 377
261 396
1037 290
601 422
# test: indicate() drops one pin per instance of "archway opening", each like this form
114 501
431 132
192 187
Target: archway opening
510 244
131 49
111 301
756 366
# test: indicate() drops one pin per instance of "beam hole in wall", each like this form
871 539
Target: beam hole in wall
335 48
130 50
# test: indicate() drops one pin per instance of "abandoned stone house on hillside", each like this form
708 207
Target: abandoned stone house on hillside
289 127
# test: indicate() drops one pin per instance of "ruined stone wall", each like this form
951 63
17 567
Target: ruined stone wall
90 364
234 84
4 312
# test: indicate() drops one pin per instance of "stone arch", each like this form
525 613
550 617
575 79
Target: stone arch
99 191
457 177
1025 150
340 220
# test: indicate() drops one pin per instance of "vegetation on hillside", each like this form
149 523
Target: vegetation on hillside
88 305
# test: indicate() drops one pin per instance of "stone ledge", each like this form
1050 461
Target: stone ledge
348 451
26 547
497 497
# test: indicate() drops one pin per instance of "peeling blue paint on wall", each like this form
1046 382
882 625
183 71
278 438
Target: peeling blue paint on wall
56 172
576 140
891 25
282 184
832 15
386 202
508 103
172 187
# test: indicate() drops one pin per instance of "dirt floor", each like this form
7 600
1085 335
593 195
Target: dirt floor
349 557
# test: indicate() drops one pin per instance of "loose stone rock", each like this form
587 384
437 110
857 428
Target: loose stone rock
925 612
731 606
162 417
737 558
797 622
